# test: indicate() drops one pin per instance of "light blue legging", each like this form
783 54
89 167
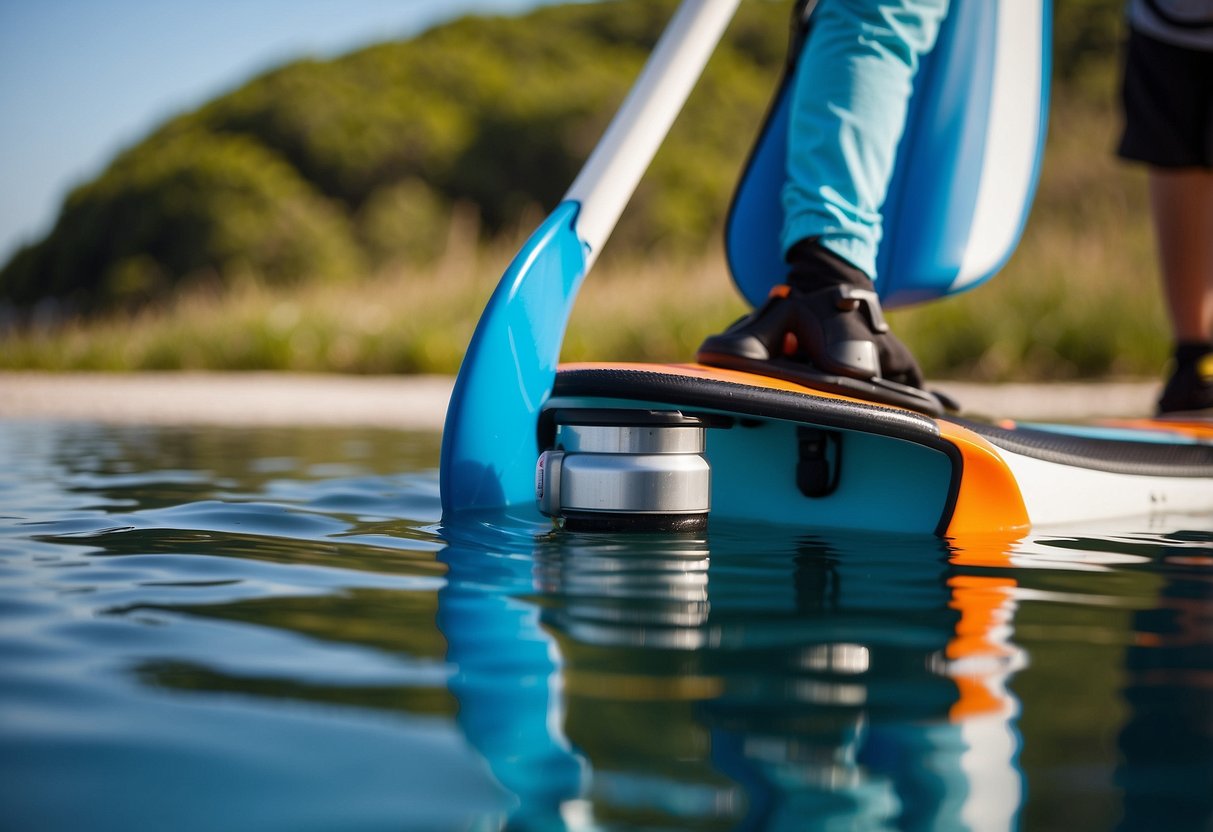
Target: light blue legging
853 82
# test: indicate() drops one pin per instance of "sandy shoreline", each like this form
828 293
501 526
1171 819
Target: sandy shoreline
419 402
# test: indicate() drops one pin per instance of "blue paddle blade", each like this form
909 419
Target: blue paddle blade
489 446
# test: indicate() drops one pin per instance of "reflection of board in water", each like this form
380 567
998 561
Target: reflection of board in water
751 680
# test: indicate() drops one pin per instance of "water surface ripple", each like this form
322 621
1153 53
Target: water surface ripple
267 629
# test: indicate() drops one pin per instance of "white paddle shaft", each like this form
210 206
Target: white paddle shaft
624 152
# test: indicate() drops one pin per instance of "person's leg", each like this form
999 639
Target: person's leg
1167 95
1181 205
852 87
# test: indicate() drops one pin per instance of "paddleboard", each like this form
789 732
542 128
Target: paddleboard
775 451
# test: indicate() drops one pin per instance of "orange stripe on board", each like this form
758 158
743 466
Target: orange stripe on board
989 499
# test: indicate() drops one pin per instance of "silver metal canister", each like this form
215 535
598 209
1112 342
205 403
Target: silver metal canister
622 470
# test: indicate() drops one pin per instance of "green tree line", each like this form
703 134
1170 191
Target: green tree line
331 170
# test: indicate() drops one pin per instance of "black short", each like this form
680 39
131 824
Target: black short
1168 102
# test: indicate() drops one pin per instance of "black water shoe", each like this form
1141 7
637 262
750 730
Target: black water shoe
825 329
1190 388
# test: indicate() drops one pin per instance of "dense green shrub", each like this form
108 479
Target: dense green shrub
321 169
184 206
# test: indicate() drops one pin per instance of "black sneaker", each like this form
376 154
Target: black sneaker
1190 388
833 338
834 330
825 330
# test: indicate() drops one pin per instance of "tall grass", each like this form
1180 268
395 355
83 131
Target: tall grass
1077 300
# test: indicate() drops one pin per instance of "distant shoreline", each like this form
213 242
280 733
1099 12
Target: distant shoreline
419 402
249 399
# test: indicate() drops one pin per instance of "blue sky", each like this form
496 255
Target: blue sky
81 79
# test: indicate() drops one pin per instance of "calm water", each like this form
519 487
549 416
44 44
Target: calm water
269 629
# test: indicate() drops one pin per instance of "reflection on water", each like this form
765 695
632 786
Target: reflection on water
756 681
268 629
